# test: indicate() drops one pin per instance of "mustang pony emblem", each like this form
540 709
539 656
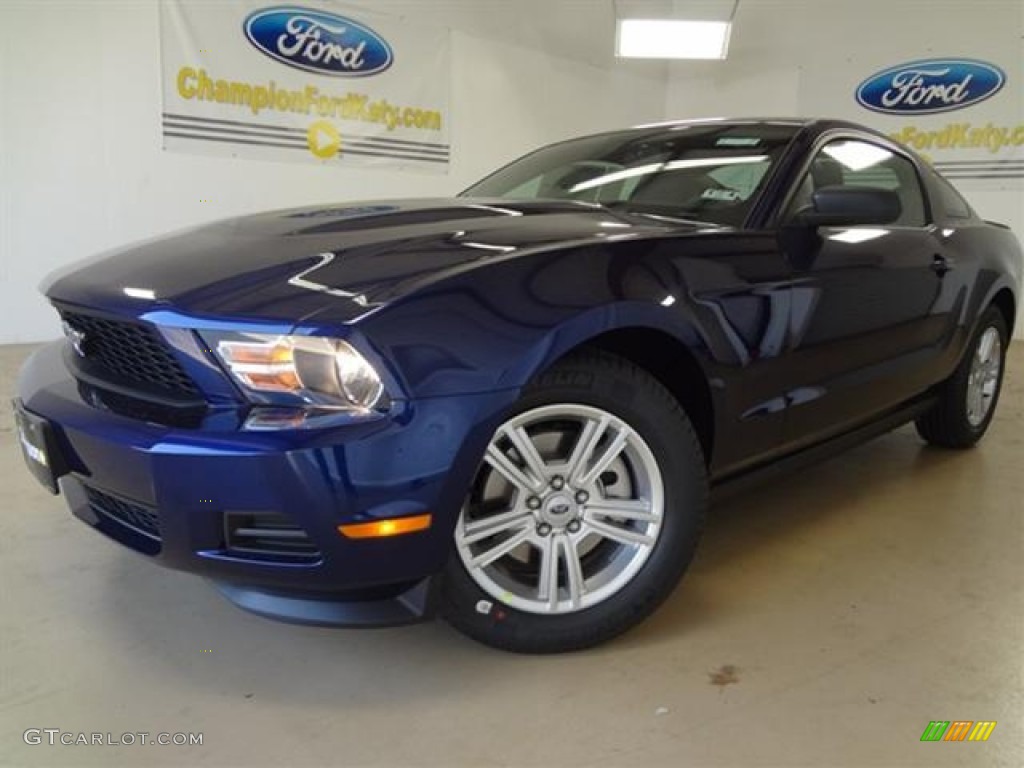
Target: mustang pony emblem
76 337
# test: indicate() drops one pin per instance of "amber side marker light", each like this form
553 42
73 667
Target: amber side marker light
396 526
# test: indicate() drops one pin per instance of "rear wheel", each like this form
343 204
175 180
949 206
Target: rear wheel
584 514
969 398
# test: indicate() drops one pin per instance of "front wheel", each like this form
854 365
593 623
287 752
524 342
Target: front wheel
584 514
968 399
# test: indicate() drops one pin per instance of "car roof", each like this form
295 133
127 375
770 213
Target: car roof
821 123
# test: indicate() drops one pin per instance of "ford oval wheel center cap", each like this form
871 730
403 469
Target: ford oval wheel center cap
558 510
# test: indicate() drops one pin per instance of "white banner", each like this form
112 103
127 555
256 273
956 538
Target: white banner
323 83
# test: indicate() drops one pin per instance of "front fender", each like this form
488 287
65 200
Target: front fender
587 326
494 328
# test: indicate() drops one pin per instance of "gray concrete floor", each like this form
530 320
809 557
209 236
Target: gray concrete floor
829 616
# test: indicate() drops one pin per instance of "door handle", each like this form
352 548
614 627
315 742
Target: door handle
941 264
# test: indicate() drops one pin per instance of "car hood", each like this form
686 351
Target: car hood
286 265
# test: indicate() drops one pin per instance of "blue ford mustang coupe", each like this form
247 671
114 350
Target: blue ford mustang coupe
508 407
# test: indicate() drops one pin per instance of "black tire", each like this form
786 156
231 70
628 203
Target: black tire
603 381
947 424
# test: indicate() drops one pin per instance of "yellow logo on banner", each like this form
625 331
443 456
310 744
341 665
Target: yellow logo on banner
323 139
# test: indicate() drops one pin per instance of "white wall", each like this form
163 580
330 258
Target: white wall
81 164
806 57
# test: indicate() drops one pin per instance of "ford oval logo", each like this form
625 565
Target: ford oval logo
929 86
318 42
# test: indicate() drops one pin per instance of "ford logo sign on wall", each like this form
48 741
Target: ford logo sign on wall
929 86
318 42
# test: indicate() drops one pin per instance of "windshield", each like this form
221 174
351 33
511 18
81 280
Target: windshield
709 171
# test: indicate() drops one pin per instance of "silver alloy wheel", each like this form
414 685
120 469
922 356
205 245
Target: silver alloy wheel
564 512
983 380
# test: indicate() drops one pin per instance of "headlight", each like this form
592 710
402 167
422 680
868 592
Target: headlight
308 370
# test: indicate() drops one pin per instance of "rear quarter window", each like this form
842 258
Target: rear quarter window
950 201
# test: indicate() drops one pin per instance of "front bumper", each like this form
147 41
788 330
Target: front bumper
168 492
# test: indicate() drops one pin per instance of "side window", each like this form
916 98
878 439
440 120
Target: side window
851 163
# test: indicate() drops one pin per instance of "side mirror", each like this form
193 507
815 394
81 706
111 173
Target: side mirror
840 206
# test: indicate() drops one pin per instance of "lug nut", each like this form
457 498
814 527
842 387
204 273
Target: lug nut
543 529
533 502
574 526
582 497
557 482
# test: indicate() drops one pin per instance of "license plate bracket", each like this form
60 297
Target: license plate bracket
35 436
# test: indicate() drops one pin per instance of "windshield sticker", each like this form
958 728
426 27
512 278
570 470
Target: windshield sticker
737 141
714 193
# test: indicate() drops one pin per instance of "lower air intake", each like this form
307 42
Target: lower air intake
141 519
268 537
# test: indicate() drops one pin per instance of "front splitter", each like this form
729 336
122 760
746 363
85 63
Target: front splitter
414 605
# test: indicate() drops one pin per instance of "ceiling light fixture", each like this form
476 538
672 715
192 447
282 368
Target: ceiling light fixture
671 38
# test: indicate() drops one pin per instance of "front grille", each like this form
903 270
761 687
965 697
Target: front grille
268 537
140 519
130 353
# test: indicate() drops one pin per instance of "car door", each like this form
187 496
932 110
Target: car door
867 326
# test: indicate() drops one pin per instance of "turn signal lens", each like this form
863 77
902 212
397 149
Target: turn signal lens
265 366
396 526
